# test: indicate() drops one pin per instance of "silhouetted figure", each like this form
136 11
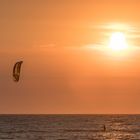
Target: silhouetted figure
104 127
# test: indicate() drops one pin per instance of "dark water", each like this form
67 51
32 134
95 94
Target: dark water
70 127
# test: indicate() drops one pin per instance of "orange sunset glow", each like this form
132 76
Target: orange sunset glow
79 56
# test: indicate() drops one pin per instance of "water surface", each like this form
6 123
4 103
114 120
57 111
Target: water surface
70 127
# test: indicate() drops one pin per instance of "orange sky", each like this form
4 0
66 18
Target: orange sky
66 68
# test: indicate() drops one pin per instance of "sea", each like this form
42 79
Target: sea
70 127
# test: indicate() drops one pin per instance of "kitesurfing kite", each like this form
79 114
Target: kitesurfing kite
16 71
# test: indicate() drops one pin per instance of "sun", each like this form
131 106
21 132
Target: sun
118 41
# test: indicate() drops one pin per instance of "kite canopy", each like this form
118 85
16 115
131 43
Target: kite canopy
16 71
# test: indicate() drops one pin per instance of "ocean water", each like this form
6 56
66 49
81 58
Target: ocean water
70 127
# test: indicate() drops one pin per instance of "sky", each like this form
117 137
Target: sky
68 67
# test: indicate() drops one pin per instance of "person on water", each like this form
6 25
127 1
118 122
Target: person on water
104 128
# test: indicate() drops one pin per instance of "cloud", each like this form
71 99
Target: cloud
96 47
52 45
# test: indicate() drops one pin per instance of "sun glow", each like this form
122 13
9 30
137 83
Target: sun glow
118 41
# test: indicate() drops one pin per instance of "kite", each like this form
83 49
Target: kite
16 71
